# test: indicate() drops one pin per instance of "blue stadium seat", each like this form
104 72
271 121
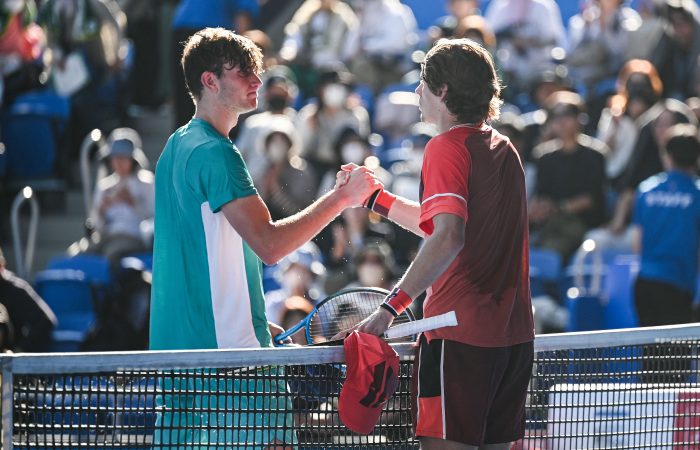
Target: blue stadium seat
586 313
620 311
426 12
94 267
30 129
545 268
71 296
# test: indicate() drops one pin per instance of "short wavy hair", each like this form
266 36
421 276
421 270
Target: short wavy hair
212 50
467 70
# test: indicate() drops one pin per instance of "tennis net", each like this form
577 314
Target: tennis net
620 389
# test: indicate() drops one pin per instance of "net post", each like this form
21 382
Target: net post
7 405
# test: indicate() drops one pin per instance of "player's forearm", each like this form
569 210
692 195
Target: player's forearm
397 209
286 235
406 213
435 256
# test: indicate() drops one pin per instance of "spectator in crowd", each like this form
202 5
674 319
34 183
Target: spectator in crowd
375 266
598 37
534 115
22 42
319 124
122 201
676 54
316 37
7 333
405 161
31 319
638 89
301 279
143 28
88 47
445 26
640 44
645 160
666 226
380 46
288 184
570 193
190 17
279 91
265 44
526 32
352 147
476 28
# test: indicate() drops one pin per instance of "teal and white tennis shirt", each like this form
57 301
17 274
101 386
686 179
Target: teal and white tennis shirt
207 282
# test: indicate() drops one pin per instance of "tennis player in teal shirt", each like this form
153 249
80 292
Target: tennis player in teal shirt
212 233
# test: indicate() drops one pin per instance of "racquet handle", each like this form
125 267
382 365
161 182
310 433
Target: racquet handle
449 319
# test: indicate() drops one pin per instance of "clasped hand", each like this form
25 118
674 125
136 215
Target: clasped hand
356 183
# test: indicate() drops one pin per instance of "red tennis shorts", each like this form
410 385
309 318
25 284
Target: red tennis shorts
472 395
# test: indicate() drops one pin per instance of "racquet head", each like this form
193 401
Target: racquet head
344 310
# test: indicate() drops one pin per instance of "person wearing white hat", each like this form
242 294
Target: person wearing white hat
123 201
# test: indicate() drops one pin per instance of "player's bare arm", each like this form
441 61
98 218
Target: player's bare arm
434 257
273 240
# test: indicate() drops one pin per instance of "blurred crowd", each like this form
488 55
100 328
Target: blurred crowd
588 102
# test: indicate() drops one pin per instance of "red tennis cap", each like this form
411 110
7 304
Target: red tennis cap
371 379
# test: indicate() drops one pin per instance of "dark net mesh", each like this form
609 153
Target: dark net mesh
626 397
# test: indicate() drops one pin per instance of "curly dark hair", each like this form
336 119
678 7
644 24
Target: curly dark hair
466 69
212 50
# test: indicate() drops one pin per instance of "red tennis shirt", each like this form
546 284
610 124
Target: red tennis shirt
476 174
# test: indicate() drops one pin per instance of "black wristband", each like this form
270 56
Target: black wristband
389 308
372 199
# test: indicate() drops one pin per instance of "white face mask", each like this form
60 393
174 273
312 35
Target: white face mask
371 274
277 150
353 152
334 95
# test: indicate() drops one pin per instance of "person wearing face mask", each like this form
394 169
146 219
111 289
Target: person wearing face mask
375 266
288 183
280 90
351 147
299 275
321 123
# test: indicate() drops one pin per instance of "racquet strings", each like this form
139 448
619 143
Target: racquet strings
344 311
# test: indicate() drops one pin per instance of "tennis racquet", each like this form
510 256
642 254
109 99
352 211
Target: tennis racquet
339 312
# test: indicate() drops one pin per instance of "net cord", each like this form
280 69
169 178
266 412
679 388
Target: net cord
95 362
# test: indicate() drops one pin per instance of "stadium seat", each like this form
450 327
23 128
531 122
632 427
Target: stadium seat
426 12
586 313
545 268
72 297
30 129
94 267
619 292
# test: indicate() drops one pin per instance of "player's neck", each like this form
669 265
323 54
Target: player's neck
447 122
220 118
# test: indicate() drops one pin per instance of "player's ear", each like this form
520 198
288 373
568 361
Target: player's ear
209 80
442 92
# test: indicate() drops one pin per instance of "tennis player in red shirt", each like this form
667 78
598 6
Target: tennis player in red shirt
470 380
